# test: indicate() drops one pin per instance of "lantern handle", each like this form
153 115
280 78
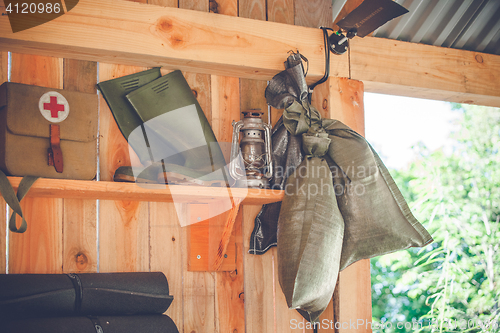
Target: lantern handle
267 134
233 159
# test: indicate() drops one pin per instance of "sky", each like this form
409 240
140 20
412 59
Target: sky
393 124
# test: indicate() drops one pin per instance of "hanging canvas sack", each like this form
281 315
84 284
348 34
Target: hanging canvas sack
44 132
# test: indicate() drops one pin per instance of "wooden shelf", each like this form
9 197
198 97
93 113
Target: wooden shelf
104 190
211 238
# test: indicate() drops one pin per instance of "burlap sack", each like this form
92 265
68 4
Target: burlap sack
341 205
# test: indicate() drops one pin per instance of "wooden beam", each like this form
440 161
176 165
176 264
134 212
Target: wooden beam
147 35
416 70
131 33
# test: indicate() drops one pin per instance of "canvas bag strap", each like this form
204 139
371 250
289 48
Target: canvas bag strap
13 200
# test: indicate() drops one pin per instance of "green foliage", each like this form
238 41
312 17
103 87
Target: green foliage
453 284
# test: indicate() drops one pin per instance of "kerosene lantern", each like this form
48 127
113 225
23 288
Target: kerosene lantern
255 148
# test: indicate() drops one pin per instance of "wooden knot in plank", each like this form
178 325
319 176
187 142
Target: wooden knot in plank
81 261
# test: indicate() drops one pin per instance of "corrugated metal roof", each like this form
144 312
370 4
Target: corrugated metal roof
462 24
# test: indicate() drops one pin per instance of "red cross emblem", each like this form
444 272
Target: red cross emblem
53 107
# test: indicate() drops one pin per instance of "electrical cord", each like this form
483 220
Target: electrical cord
327 62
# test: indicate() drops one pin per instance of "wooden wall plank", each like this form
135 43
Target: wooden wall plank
123 225
166 254
258 273
4 68
346 102
252 97
226 109
354 288
80 75
254 9
199 300
280 11
258 270
166 239
199 308
313 13
164 3
199 287
286 319
230 287
259 280
39 249
200 85
201 6
80 236
37 70
80 216
227 7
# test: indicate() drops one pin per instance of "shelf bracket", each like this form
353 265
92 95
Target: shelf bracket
211 243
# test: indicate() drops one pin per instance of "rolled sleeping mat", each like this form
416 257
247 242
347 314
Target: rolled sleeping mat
99 324
54 295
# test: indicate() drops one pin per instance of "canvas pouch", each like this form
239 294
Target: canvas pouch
46 132
25 133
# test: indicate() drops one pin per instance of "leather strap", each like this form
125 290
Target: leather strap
97 324
77 284
55 152
13 200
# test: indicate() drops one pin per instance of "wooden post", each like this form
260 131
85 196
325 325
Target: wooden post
346 104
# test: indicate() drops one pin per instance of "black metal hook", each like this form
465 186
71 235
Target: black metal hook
327 63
